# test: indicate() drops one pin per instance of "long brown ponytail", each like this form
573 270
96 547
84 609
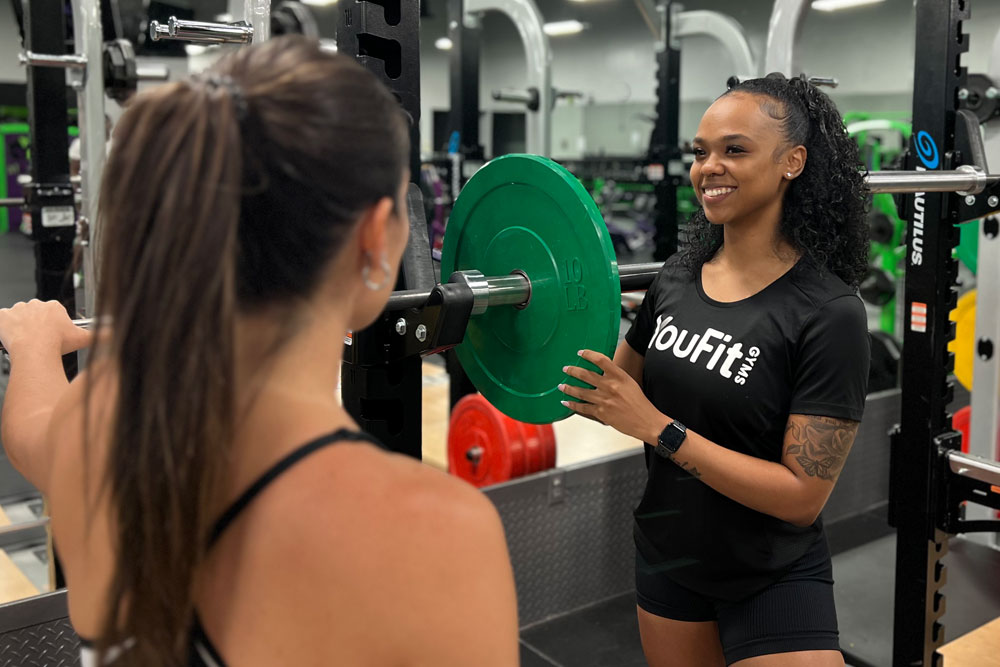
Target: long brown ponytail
223 194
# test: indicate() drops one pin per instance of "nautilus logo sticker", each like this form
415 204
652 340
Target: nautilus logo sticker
927 150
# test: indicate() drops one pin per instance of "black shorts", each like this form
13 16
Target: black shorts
796 613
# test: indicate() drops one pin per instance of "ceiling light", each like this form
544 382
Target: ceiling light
195 49
443 43
834 5
559 28
319 3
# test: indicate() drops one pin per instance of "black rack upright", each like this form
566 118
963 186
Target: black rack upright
664 149
381 391
49 197
926 493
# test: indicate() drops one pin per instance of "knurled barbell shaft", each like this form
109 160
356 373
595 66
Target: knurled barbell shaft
638 276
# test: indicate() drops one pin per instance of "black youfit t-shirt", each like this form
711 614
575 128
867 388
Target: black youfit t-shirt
733 372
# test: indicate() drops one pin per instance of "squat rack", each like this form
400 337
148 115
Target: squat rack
930 479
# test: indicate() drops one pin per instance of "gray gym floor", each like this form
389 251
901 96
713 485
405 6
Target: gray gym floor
606 634
864 589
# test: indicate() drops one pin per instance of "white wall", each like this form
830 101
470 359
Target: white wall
870 50
10 45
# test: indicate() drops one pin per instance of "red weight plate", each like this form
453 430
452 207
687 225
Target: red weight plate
545 435
960 422
518 463
483 448
533 449
527 451
548 438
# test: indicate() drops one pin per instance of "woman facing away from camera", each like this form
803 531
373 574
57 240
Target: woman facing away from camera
211 501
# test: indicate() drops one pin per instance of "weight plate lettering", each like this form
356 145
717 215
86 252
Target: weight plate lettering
526 213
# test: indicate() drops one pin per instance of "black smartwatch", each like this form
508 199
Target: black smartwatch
671 439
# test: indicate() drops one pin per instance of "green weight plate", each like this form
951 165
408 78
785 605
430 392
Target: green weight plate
526 213
968 245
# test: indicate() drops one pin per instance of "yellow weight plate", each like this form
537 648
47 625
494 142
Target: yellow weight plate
964 345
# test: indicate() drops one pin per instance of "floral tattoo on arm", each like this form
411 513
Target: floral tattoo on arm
820 444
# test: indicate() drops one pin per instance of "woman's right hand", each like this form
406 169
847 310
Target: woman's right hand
40 325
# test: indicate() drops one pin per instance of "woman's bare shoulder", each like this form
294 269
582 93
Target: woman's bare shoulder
375 526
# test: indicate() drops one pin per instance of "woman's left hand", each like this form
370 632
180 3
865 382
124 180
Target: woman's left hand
616 399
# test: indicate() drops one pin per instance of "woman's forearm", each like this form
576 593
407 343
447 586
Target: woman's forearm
766 486
37 382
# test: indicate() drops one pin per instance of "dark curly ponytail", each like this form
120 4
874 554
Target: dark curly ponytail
824 211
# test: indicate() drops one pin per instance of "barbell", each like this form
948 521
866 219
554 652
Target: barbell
964 180
972 182
531 244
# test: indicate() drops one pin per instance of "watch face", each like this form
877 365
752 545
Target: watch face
673 436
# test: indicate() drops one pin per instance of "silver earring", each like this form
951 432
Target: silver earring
788 174
386 271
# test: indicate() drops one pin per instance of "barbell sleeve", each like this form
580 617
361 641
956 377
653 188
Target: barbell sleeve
65 61
514 96
201 32
11 201
964 180
512 290
974 467
151 72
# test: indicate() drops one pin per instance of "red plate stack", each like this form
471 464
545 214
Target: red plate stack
487 447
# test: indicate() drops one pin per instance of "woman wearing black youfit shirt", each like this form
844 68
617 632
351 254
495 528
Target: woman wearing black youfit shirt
754 340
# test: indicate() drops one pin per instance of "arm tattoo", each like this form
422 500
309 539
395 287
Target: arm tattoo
820 444
688 468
